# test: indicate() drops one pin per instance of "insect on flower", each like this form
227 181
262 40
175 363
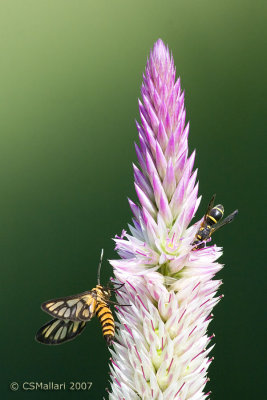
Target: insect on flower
212 221
71 314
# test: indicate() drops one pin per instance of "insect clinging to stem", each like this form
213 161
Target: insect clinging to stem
71 314
212 221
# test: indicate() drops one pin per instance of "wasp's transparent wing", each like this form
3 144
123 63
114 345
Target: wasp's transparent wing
225 221
80 307
59 331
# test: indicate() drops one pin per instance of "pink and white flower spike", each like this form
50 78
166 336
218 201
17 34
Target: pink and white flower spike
162 347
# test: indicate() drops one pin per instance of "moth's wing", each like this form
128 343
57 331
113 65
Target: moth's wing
80 307
210 206
59 331
225 221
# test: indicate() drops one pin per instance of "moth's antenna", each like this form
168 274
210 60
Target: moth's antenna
99 267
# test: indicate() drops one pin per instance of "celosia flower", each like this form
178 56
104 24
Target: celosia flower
162 347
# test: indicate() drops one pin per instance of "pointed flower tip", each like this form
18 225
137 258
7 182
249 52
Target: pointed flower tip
159 44
160 50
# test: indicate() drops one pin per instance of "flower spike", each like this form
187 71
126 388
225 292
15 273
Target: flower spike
162 347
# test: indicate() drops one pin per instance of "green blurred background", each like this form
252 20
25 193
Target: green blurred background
70 76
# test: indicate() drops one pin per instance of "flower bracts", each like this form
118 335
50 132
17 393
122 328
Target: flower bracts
162 347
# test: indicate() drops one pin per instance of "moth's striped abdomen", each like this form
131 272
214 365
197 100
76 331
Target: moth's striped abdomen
107 322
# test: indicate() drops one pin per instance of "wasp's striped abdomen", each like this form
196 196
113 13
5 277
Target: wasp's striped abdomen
107 322
215 215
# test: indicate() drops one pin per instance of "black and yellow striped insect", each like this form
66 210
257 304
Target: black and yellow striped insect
212 221
71 314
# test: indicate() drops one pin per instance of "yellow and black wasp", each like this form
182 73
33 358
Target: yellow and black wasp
212 221
71 314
